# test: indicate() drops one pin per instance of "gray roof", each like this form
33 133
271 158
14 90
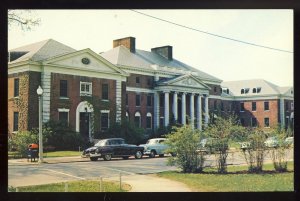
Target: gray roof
41 50
267 88
144 60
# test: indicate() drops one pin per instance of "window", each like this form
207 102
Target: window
126 99
267 122
138 100
215 89
258 89
242 107
149 100
292 106
222 106
253 122
16 121
137 119
254 90
215 105
85 88
105 91
16 87
104 120
242 91
286 106
148 81
127 116
247 90
161 122
63 92
137 80
266 106
149 120
225 90
253 106
63 116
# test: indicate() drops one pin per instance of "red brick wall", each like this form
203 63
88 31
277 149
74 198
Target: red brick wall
75 98
131 81
260 113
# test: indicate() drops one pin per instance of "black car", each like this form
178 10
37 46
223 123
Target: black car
113 148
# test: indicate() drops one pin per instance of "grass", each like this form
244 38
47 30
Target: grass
75 186
237 180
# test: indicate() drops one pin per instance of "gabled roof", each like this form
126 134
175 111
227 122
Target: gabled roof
267 88
145 60
41 50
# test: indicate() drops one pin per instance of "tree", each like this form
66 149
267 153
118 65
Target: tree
254 151
221 131
23 18
183 141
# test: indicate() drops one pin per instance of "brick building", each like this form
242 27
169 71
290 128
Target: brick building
150 88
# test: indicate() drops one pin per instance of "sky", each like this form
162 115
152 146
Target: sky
225 59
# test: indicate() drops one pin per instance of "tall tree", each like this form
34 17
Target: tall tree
26 19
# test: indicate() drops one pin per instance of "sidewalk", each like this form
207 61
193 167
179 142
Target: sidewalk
50 160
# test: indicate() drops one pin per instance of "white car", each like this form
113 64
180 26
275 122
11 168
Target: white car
155 146
272 142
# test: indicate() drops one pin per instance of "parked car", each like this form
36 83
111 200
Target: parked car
272 142
245 145
289 141
155 146
113 148
211 145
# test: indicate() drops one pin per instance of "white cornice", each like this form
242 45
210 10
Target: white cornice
141 90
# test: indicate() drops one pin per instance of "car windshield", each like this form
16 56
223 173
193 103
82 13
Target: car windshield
100 143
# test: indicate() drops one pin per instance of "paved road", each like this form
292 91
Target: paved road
23 175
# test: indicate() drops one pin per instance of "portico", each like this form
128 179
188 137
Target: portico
180 93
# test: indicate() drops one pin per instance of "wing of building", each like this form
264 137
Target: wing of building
150 88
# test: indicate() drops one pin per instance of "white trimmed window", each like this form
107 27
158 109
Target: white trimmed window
63 115
85 88
149 120
137 119
104 120
267 122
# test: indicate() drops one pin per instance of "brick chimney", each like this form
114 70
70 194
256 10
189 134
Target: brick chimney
128 42
165 51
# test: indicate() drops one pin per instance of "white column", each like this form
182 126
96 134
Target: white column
282 118
183 110
192 113
167 107
175 107
206 111
46 85
199 113
118 101
156 110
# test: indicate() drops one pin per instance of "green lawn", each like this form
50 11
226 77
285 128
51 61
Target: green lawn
76 186
237 180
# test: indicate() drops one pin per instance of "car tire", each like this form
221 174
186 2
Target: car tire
107 157
152 154
125 157
93 158
138 155
173 154
161 155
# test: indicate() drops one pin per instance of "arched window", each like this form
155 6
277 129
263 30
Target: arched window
149 120
137 119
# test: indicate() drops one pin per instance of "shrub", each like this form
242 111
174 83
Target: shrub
126 130
61 136
255 152
20 141
222 130
184 142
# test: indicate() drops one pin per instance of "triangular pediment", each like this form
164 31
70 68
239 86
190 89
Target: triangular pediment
186 81
84 59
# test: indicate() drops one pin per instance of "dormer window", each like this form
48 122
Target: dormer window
225 90
242 91
245 90
254 90
258 90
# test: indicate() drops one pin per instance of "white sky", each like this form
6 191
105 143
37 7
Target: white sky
224 59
